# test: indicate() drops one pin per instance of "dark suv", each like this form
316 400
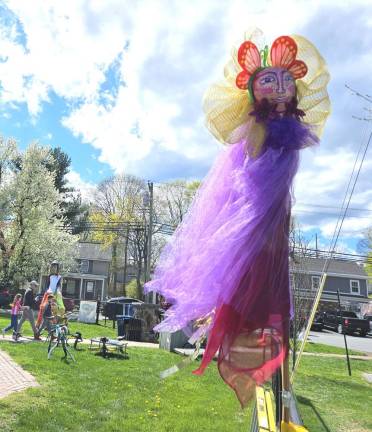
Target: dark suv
369 318
345 322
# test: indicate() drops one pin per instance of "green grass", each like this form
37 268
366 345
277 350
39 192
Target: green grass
102 395
328 349
96 394
88 330
330 400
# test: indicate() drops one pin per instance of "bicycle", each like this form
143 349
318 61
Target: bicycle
58 335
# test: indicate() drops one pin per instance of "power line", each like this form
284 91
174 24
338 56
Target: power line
330 214
331 207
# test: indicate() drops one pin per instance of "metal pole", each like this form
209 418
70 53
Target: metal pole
149 240
286 382
346 348
126 258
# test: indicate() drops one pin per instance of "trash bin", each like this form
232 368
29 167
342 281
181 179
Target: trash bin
122 321
121 325
134 329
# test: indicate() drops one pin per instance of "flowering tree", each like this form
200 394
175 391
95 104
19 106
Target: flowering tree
30 231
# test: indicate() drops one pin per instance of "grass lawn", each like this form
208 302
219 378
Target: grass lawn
101 395
96 394
88 330
328 349
330 400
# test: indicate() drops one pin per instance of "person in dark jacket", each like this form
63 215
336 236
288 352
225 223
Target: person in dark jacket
28 306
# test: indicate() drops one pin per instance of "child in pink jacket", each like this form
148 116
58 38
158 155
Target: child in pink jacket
16 308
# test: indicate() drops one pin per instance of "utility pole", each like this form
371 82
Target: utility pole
126 257
149 240
316 245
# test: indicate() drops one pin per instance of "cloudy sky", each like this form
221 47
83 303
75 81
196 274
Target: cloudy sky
118 85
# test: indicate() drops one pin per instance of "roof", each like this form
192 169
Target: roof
336 266
93 251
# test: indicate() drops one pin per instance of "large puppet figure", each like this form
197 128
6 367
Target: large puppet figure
53 287
226 267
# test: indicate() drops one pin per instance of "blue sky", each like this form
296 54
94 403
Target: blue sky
119 84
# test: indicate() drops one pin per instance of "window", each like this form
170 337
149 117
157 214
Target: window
70 286
315 282
84 266
90 286
354 287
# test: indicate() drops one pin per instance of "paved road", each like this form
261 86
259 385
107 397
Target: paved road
329 337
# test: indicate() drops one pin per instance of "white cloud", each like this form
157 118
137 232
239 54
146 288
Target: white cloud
322 185
164 54
86 188
70 46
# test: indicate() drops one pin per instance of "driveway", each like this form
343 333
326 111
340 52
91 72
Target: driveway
329 337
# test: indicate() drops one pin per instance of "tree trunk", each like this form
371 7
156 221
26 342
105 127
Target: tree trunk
4 280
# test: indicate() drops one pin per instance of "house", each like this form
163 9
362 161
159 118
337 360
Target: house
90 278
346 276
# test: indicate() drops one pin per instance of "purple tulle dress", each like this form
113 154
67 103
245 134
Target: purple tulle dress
228 260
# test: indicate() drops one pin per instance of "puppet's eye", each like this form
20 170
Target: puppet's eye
267 79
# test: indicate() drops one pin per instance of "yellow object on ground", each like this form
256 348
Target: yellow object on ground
290 427
266 415
265 410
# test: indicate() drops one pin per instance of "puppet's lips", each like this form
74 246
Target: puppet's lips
280 99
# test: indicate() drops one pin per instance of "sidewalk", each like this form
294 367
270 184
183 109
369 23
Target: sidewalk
12 377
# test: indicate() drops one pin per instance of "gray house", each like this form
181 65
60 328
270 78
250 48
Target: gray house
89 279
349 277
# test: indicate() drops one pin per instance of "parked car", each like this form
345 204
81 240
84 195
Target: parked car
124 300
5 298
369 319
119 306
346 322
318 323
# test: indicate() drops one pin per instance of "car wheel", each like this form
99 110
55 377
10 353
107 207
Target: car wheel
339 329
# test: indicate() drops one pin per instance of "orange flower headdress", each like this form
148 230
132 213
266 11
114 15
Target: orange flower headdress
282 54
227 107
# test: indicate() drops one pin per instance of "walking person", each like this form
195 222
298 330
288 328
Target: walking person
16 307
28 309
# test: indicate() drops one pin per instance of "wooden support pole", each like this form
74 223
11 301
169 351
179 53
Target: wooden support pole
286 390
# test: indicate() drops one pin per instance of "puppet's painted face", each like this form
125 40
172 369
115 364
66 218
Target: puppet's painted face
276 85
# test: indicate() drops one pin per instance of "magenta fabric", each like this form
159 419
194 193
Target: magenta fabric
230 257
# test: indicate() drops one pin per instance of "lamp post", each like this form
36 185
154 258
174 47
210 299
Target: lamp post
148 201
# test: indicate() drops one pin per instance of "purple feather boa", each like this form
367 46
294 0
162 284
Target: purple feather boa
288 133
